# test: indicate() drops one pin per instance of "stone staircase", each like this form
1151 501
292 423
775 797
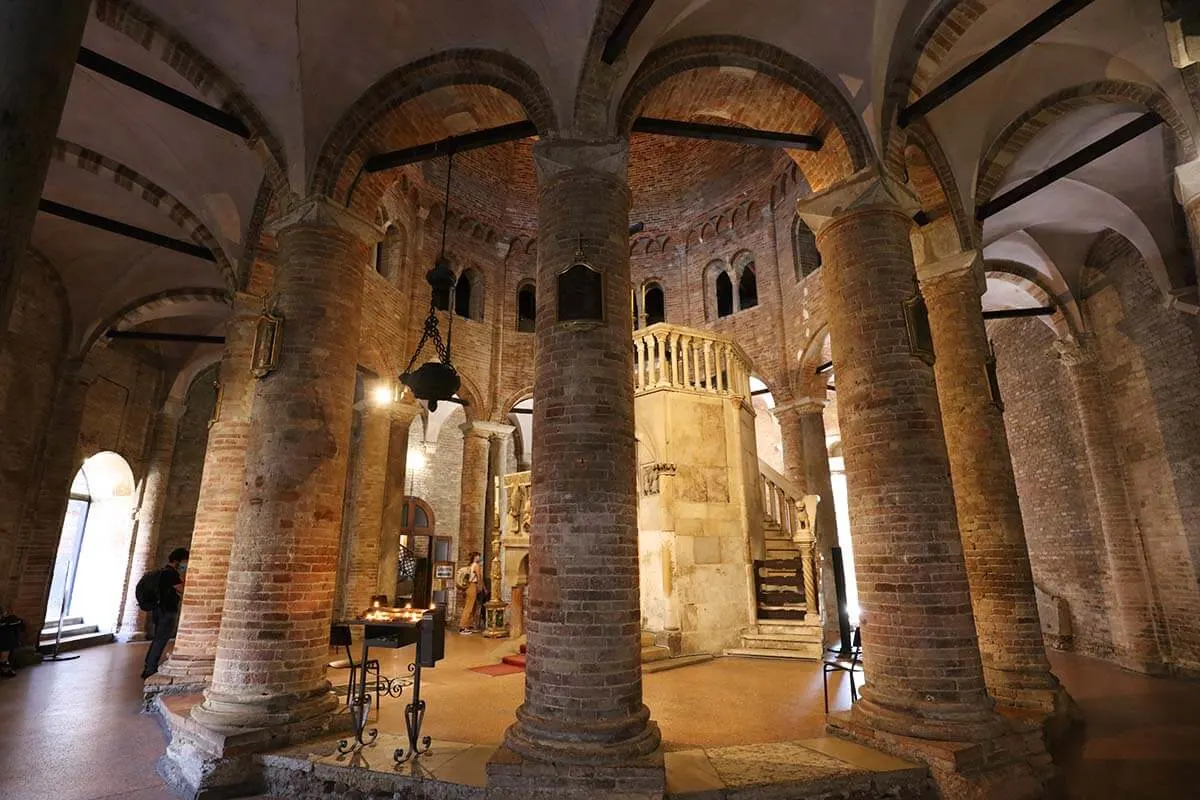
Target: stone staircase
781 638
657 657
76 634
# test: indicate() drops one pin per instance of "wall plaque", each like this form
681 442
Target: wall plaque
267 343
920 336
580 293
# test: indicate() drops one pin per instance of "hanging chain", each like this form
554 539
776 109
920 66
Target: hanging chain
431 322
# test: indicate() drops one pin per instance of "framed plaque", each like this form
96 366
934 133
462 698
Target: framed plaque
580 293
268 339
920 336
443 570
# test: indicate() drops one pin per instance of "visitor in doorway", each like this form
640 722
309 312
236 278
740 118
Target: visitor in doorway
466 622
11 628
165 610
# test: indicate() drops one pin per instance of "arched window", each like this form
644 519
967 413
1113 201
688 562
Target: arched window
468 295
743 266
390 253
724 294
804 249
654 304
526 308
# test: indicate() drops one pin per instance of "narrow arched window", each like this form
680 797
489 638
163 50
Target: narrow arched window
804 249
747 287
468 295
655 304
390 253
724 294
526 308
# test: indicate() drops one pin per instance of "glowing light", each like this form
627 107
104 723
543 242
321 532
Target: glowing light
383 395
416 459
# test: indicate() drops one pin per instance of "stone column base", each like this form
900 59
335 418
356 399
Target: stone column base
1012 766
512 776
164 684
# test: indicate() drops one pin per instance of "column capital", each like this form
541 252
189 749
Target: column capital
1187 184
486 429
801 405
945 273
403 413
321 212
868 188
1076 351
173 408
555 157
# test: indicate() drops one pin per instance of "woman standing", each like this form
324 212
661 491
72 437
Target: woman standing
466 622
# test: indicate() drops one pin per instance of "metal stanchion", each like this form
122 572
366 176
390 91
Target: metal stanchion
62 611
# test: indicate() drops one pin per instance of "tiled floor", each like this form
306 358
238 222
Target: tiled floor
72 731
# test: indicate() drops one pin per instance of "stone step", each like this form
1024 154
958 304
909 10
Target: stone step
788 627
648 638
781 641
78 642
515 661
653 653
51 624
758 652
675 663
69 630
776 553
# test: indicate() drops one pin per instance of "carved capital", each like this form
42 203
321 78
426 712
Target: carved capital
1076 352
555 157
947 274
867 188
801 405
321 212
173 408
486 429
1187 187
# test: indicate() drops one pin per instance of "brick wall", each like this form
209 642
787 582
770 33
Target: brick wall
187 464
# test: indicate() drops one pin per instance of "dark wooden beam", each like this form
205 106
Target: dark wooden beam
90 59
828 365
618 40
1013 313
123 229
1029 33
1101 147
150 336
727 133
452 144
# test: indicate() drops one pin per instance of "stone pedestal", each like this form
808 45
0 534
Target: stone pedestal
149 515
190 664
583 730
926 676
39 40
985 491
269 677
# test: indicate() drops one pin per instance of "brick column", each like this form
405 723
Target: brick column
368 474
806 459
150 514
274 639
221 487
985 492
395 490
473 500
583 688
39 40
41 525
925 676
1131 603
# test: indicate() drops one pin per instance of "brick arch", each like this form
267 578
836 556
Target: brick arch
91 161
1022 130
1067 319
192 371
217 88
360 130
163 305
738 51
805 380
933 180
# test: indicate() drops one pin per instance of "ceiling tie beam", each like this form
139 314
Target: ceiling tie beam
153 336
90 59
1016 313
451 145
1097 149
727 133
1026 35
618 40
124 229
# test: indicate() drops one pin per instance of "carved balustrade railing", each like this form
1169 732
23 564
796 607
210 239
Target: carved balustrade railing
669 356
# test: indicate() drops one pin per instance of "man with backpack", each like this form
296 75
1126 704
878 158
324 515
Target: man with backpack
160 593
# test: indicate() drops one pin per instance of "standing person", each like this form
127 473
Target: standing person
11 628
165 611
466 621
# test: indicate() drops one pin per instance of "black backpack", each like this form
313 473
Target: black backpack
146 591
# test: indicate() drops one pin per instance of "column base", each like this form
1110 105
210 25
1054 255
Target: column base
1012 765
932 721
230 714
597 743
513 776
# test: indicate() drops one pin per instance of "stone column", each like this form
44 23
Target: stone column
1187 191
395 490
368 478
583 687
39 40
150 514
41 525
473 500
985 491
925 675
274 639
806 459
221 487
1134 636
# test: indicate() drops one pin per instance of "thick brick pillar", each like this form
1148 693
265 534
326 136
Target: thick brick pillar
274 638
925 677
368 478
39 40
1134 636
41 525
806 459
395 490
583 688
985 492
221 487
150 514
473 502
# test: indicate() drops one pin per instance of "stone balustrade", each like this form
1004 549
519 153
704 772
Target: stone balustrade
669 356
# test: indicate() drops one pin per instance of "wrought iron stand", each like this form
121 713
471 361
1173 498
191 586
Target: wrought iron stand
414 715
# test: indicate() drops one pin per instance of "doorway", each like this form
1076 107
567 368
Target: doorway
417 554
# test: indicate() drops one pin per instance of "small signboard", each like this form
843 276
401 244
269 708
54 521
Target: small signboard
444 570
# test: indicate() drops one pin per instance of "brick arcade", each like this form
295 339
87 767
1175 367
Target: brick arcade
992 410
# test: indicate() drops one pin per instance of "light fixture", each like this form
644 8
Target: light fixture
435 381
384 394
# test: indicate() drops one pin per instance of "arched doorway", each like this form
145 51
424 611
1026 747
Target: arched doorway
93 550
419 551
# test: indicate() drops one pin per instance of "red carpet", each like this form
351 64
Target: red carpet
493 670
